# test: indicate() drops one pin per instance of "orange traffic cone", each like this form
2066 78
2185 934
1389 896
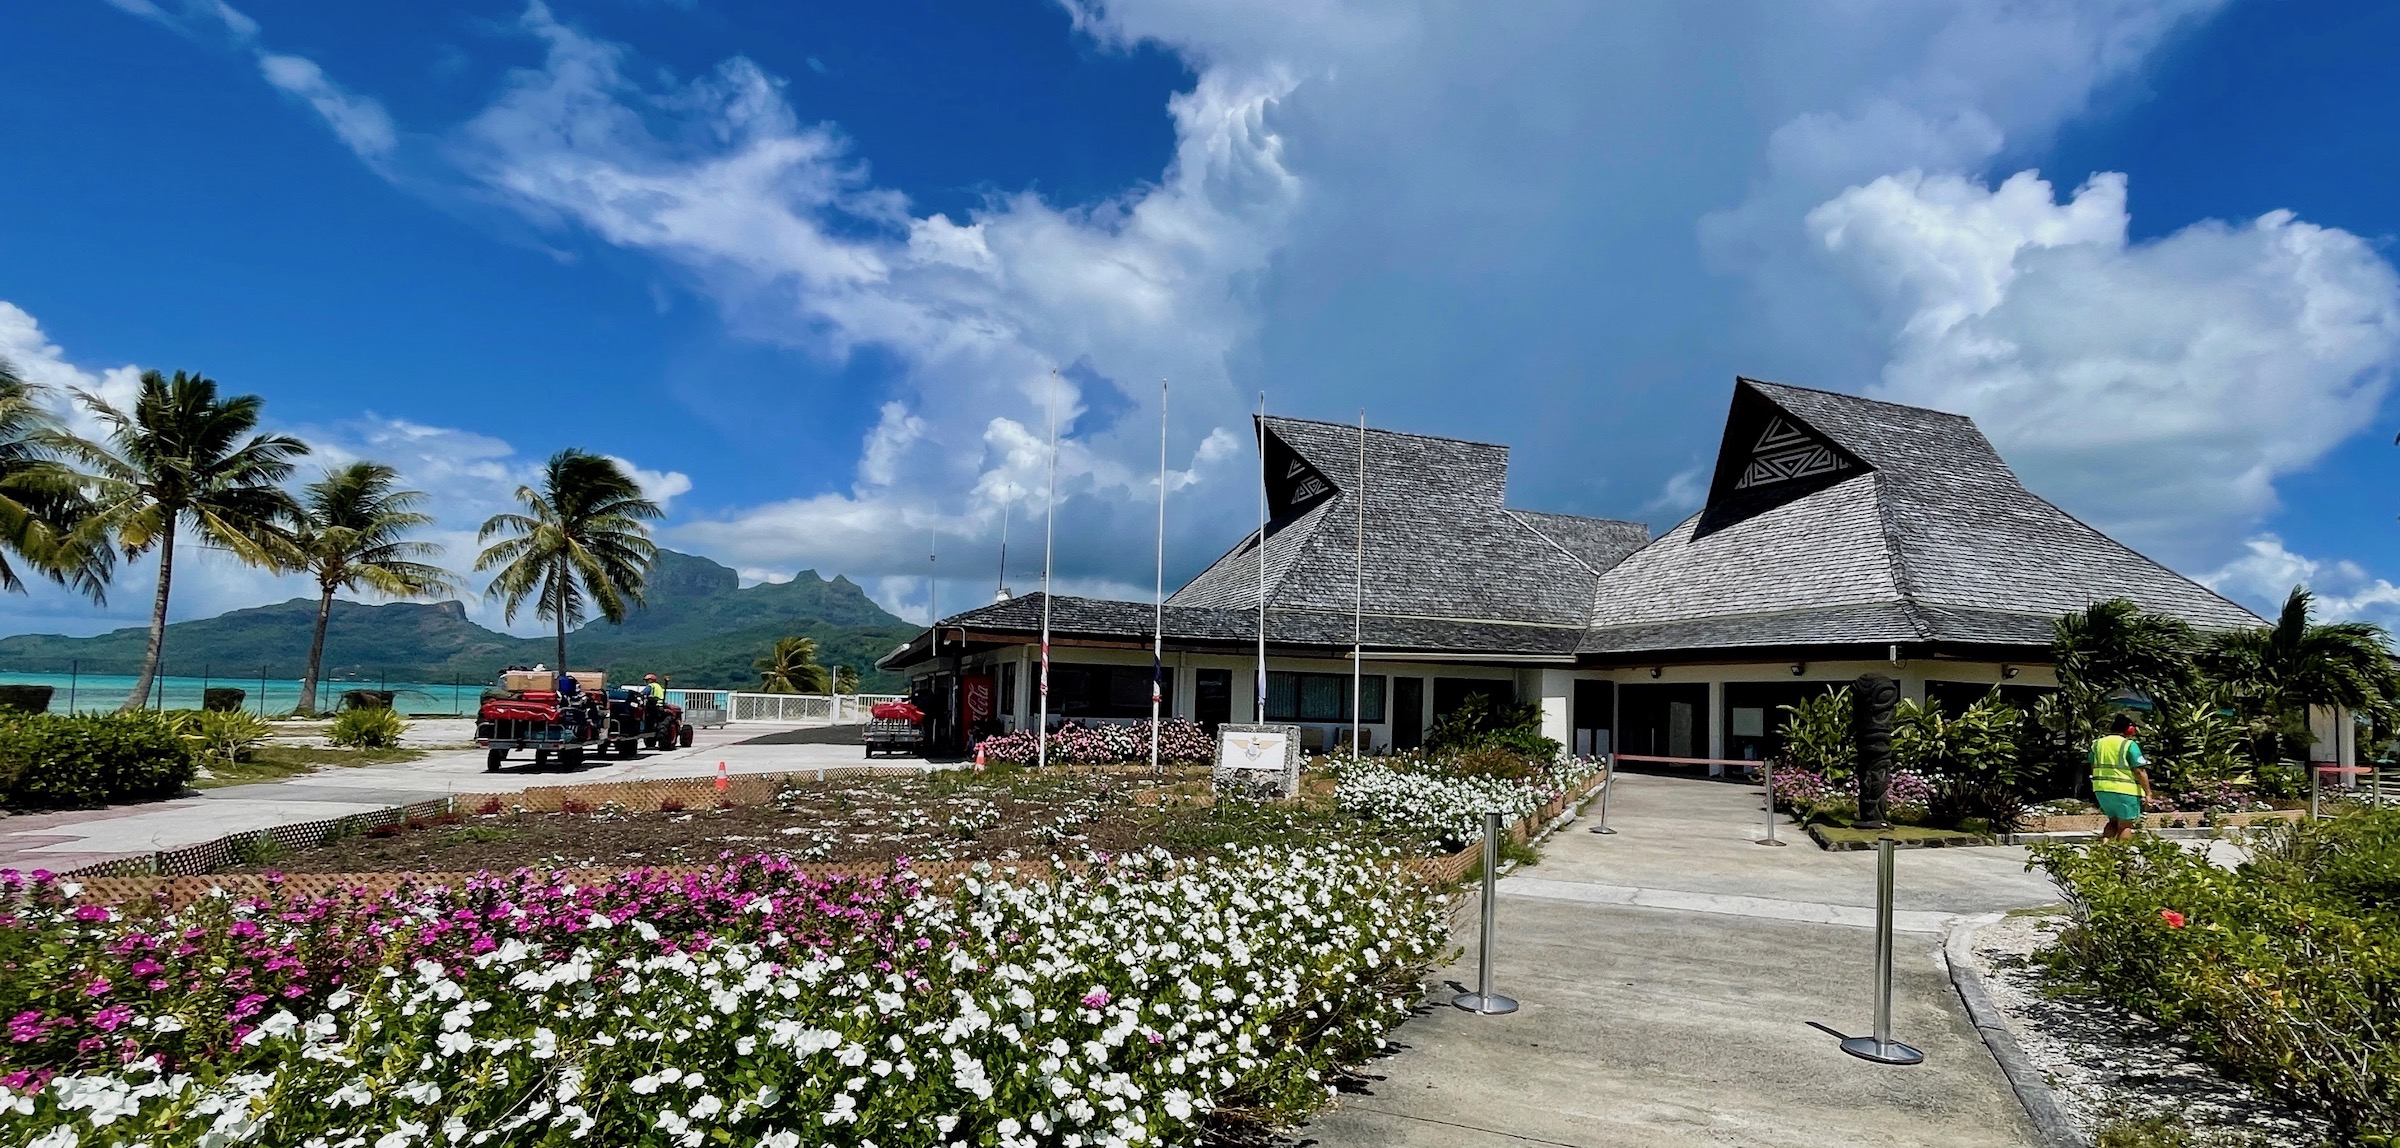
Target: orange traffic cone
721 782
979 757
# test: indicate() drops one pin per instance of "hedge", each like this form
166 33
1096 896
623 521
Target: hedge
54 761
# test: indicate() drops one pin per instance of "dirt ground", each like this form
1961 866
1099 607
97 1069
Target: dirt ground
930 818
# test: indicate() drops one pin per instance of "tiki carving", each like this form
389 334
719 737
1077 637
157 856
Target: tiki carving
1872 700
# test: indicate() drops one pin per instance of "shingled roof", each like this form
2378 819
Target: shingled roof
1440 541
1835 519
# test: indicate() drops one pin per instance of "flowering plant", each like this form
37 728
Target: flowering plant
1102 743
1445 808
747 1003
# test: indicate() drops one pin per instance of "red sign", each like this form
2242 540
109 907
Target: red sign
980 697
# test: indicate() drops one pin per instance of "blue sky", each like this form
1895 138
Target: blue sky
808 267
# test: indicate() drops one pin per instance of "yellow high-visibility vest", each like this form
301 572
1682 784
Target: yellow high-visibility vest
2112 766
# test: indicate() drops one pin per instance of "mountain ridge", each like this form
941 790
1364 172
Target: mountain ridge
700 625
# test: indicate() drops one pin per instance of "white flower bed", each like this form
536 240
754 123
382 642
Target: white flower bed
1121 1009
1422 797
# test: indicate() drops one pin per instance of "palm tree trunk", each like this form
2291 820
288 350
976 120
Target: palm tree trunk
561 613
316 658
158 622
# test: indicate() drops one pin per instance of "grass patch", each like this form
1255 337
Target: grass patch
1836 836
276 762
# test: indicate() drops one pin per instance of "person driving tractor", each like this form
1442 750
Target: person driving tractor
657 692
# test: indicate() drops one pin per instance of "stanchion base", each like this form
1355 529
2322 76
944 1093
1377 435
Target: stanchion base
1493 1005
1768 841
1602 829
1881 1051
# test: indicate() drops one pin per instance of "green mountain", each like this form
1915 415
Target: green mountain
700 626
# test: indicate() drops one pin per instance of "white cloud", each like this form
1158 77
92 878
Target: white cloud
360 123
2159 388
465 476
2267 571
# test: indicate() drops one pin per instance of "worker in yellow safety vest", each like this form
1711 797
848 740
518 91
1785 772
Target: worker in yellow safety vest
657 692
2120 778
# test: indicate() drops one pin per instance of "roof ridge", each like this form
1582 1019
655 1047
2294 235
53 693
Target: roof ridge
1895 556
1555 544
1382 430
1645 527
1854 398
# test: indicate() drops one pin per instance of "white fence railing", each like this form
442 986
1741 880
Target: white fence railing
786 709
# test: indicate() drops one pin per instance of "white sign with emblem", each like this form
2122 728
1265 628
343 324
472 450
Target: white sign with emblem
1259 760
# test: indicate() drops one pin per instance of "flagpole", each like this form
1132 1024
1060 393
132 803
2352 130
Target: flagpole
1261 712
1041 737
1001 593
1358 590
1158 587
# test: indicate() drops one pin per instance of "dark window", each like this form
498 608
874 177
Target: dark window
1953 698
1212 698
1451 693
1008 692
1322 697
1754 717
1104 691
1408 713
1595 717
1662 720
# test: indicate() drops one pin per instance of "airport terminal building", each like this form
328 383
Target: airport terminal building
1841 535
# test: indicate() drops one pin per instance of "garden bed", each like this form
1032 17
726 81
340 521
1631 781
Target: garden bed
921 817
1844 838
2111 1067
2094 823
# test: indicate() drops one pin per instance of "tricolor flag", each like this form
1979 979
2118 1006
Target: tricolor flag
1156 694
1045 669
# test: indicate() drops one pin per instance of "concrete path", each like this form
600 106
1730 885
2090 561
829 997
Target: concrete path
1668 974
68 839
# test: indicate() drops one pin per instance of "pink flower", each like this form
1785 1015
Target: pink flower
98 988
111 1018
2173 919
90 913
1097 998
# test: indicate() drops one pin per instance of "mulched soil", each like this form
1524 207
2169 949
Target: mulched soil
937 818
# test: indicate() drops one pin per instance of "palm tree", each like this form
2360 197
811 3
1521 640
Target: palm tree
184 459
582 543
351 536
2284 670
2116 645
791 668
42 499
845 679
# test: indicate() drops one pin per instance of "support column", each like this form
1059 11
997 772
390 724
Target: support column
1557 691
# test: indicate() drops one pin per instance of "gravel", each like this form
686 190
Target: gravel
2106 1064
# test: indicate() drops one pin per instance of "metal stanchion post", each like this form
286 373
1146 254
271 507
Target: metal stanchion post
2314 777
1881 1048
1608 781
1769 839
1483 1000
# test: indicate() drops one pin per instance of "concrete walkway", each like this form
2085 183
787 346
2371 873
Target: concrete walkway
72 838
1668 974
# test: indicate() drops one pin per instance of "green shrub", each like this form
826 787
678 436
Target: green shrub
61 761
1481 722
2285 973
367 729
220 737
1816 736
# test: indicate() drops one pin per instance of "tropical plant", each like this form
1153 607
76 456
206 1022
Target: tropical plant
583 543
182 457
2196 744
2116 645
374 728
1979 745
220 737
1485 722
790 667
352 535
2277 673
42 499
1817 736
845 679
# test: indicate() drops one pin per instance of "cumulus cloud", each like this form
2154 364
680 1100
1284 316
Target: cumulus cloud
2267 571
465 476
2160 388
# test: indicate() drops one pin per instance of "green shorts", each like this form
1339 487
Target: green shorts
2121 806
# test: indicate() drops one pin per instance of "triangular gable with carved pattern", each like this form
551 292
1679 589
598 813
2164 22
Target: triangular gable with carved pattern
1785 452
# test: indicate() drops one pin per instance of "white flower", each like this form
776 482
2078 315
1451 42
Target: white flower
845 1109
644 1085
785 1139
